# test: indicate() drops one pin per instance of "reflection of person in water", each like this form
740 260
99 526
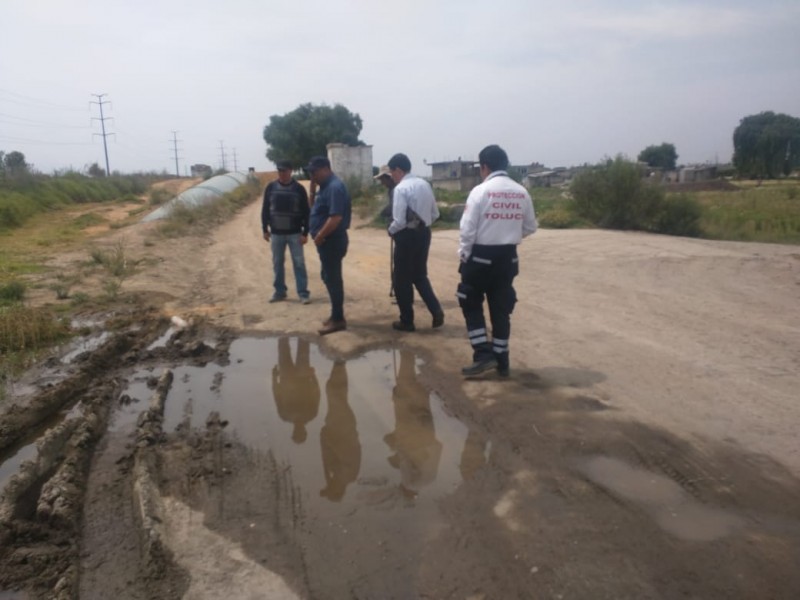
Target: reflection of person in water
413 441
341 450
295 387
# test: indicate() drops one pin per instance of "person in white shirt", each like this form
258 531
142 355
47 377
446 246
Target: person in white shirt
413 211
498 214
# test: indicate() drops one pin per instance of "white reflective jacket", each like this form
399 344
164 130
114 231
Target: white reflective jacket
499 211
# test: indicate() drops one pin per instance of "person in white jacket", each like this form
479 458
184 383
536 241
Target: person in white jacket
498 214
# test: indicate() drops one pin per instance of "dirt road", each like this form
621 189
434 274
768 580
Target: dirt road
645 445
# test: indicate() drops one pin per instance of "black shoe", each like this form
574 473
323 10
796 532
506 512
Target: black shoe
438 320
503 372
479 366
277 298
333 327
400 326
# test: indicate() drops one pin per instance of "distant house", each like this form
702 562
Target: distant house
518 172
542 177
456 175
200 170
697 173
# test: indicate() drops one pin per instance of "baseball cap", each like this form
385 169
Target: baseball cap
284 164
318 162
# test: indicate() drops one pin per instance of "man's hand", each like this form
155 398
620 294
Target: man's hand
319 240
303 240
312 192
266 235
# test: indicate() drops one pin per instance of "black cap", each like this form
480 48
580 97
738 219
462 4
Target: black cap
318 162
284 164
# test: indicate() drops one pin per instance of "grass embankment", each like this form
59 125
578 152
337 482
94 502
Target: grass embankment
744 212
754 213
67 226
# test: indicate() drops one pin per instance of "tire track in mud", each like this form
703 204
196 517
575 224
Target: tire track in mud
42 505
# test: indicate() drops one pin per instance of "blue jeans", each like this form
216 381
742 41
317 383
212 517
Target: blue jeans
279 242
331 253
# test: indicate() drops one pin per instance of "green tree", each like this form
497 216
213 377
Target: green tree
663 156
308 129
766 145
96 170
14 163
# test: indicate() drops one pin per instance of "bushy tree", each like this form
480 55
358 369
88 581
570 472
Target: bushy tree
766 145
308 129
96 170
662 156
613 195
14 162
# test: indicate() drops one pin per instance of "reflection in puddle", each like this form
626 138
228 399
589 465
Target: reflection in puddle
673 509
354 431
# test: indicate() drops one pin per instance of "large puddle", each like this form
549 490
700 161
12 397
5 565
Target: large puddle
349 430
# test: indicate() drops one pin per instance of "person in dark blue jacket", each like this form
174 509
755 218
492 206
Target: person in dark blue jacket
329 222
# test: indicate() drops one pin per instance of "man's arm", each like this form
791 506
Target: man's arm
328 228
312 187
468 228
529 223
305 209
265 213
434 206
399 209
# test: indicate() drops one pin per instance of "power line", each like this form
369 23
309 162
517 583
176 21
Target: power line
102 120
23 122
31 102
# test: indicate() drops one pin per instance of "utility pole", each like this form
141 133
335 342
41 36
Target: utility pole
222 154
235 164
175 141
102 120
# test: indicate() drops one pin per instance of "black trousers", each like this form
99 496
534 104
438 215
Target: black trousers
489 273
411 247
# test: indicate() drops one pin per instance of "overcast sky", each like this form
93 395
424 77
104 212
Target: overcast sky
560 83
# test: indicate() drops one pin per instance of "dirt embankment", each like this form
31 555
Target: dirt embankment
644 447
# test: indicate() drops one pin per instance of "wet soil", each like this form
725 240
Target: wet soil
639 452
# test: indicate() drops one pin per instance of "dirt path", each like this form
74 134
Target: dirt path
699 337
644 446
638 361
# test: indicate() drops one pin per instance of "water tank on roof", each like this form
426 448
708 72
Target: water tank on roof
202 193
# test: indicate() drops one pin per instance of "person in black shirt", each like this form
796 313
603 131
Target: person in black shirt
284 221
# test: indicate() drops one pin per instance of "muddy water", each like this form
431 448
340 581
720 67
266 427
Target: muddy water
11 460
673 509
339 425
368 448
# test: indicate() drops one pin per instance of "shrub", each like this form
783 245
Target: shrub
559 217
24 329
680 215
159 196
614 196
13 291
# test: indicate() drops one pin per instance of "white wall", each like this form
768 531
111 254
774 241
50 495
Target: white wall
351 161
